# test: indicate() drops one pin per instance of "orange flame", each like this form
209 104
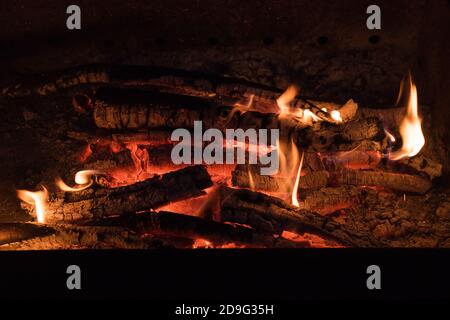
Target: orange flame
83 179
294 196
286 98
251 182
410 128
38 199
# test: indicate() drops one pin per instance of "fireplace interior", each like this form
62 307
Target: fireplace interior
86 141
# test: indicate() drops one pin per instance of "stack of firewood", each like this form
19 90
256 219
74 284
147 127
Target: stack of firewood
143 105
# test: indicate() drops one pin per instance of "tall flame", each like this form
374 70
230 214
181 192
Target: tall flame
410 128
38 199
294 196
83 179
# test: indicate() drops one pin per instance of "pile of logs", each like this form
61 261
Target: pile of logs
142 105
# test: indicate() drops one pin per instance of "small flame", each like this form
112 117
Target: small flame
410 128
286 98
309 117
251 182
389 135
83 179
336 116
38 199
294 197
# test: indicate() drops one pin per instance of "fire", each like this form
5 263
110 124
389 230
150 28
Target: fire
251 182
389 135
294 196
303 115
38 199
286 98
410 128
336 116
83 179
202 243
307 116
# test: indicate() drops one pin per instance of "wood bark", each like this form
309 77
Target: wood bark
241 178
99 202
14 232
186 226
395 181
270 214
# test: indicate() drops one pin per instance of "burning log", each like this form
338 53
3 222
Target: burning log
135 109
396 181
144 230
266 213
180 225
420 163
99 202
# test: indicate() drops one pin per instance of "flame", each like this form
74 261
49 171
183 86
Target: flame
308 117
389 135
286 98
410 128
336 115
251 182
294 197
38 199
83 179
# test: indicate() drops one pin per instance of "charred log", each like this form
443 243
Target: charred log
270 214
87 237
14 232
174 224
100 202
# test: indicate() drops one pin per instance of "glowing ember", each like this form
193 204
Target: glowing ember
83 179
294 196
410 128
202 243
38 199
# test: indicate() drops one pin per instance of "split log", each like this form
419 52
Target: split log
150 138
245 177
157 78
270 214
14 232
99 202
329 200
421 163
186 226
58 237
395 181
354 159
135 109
